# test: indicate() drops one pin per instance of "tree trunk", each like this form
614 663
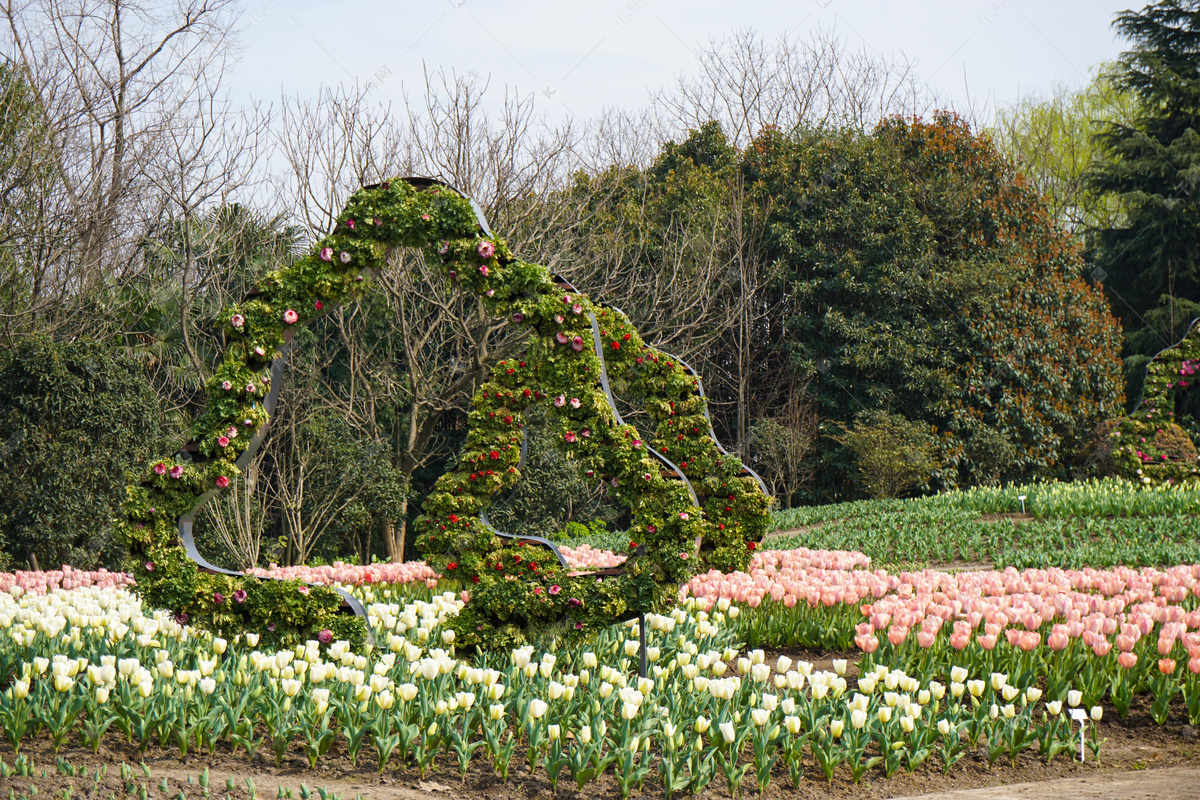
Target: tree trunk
393 534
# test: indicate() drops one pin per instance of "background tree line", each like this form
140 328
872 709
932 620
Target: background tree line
841 260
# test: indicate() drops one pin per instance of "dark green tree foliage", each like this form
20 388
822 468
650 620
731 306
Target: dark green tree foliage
73 419
928 280
1151 264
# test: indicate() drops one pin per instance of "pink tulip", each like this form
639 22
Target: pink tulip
1127 660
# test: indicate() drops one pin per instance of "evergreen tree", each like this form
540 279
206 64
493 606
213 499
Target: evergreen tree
1150 265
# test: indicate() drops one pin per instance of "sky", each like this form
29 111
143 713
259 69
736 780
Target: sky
578 58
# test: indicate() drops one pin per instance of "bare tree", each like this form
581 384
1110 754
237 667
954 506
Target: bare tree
400 382
241 515
747 85
780 445
110 80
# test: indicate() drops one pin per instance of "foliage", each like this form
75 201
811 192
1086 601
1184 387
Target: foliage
562 362
894 455
1052 143
782 446
555 494
73 420
1151 164
1148 445
929 280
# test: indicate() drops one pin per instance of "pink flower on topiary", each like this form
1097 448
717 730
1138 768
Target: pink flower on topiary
344 257
326 254
559 319
149 566
575 403
485 249
483 270
350 224
291 317
577 344
518 317
223 441
561 337
443 248
251 388
683 515
239 596
578 309
560 401
237 320
160 468
637 443
218 598
222 481
325 636
258 351
555 589
177 471
226 385
231 432
569 436
318 305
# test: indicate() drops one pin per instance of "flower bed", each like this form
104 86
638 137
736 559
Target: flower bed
705 712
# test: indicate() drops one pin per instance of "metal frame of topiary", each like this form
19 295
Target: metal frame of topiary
577 350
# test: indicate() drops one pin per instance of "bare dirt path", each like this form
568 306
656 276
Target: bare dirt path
1172 783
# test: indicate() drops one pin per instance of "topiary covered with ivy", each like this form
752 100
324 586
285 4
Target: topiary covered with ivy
1147 445
516 591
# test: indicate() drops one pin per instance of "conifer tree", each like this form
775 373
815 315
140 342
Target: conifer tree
1150 265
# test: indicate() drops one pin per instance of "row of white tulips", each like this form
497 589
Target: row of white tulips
90 661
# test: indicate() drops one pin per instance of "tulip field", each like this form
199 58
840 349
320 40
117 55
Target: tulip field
954 673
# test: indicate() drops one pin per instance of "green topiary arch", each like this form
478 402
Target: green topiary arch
694 506
1147 445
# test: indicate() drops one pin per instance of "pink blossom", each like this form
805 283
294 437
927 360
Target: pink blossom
237 320
223 441
251 388
560 401
222 482
561 337
569 436
483 270
177 471
326 254
578 309
577 344
485 249
226 385
344 257
160 468
1127 660
575 402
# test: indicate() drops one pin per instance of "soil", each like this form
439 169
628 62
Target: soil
1138 759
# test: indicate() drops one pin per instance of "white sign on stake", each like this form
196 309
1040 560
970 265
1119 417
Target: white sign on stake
1080 715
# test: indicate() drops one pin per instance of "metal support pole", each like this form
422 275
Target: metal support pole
642 640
